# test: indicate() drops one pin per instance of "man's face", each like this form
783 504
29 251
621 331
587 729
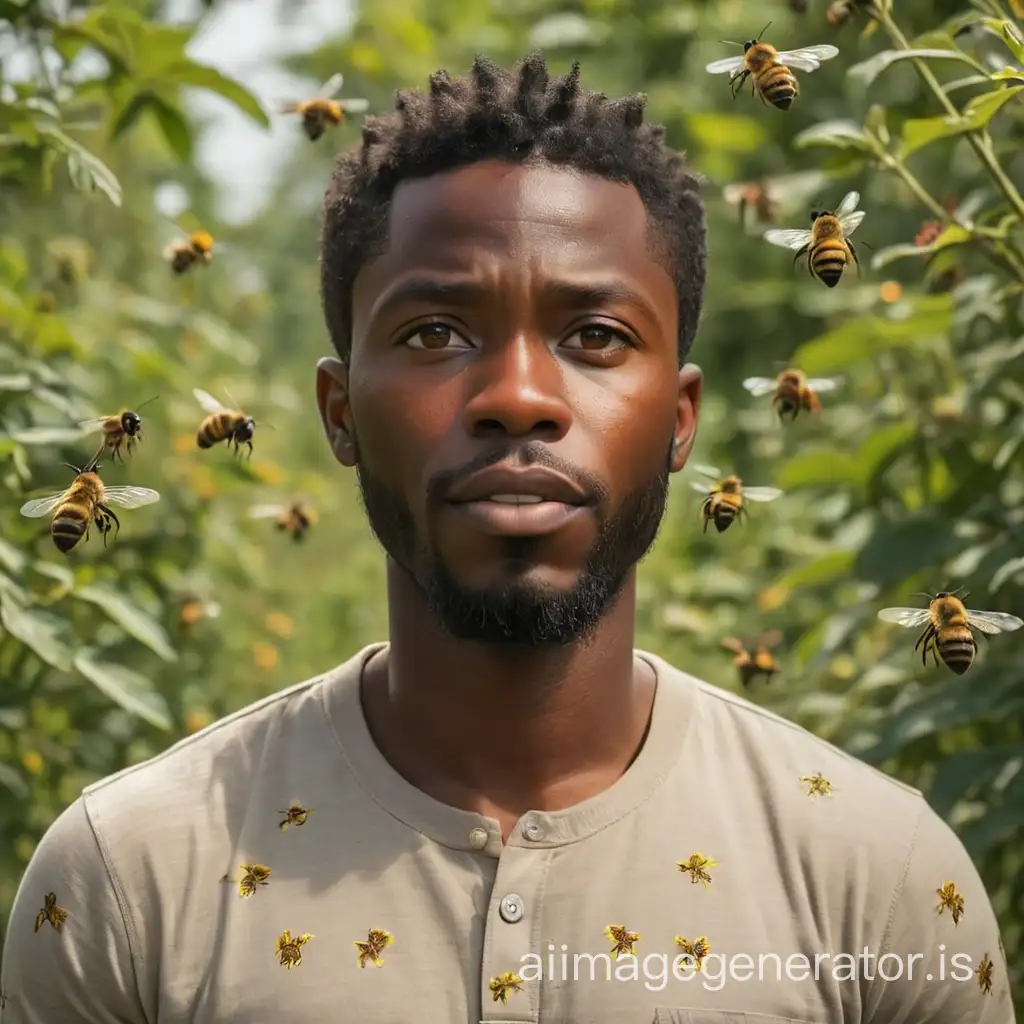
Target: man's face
517 324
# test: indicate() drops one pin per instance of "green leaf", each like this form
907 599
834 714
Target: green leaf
833 566
867 71
919 132
1009 34
1005 572
9 778
732 133
174 127
12 557
39 631
126 117
981 109
901 549
965 772
840 134
127 688
131 619
821 467
102 176
188 72
881 447
953 235
15 382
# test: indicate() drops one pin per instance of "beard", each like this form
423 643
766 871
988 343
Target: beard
521 613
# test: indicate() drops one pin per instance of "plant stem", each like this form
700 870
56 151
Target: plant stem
978 138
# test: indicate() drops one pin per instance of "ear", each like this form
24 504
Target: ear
335 411
691 386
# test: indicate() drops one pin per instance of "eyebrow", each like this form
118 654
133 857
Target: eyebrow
461 293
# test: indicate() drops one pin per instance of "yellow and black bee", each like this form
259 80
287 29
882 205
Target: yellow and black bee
755 658
191 250
85 502
769 69
123 428
791 391
324 109
826 244
223 424
725 498
948 625
295 519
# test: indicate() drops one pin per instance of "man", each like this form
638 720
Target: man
507 813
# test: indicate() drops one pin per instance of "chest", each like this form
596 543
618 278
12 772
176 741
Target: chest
572 934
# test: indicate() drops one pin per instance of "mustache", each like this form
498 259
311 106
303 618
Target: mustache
533 453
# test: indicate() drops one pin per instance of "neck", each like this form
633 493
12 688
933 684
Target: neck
501 730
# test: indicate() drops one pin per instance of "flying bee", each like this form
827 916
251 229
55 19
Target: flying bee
294 519
751 194
123 428
840 12
768 196
87 501
827 242
725 500
793 391
948 632
324 110
223 424
769 69
190 250
755 658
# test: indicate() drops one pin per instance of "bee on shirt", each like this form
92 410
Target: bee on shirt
769 69
86 502
324 110
725 500
827 242
948 623
294 519
755 658
223 424
793 391
123 428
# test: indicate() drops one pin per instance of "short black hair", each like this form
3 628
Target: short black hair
519 115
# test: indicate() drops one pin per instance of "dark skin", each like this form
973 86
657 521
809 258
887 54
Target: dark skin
489 728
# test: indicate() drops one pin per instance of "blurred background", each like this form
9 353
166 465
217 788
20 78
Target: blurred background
124 125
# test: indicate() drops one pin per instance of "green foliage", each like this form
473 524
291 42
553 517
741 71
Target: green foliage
910 479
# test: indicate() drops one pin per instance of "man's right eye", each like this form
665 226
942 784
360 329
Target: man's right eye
435 337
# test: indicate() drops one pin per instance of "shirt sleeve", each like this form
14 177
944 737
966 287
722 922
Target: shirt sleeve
67 955
942 959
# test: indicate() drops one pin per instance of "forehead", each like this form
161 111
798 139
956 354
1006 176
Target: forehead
535 218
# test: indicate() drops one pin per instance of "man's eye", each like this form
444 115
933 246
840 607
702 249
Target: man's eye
597 338
434 337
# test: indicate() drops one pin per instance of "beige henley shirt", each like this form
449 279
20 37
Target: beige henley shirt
274 867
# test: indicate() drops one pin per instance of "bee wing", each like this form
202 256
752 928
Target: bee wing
771 638
735 191
851 221
824 383
709 471
331 87
91 426
994 622
289 107
698 486
807 58
39 507
130 497
731 643
720 67
759 385
207 401
265 511
761 493
907 617
848 205
355 106
788 238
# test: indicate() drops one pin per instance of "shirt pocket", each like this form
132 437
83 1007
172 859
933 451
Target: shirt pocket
702 1015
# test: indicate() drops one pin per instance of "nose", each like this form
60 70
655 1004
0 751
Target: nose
518 390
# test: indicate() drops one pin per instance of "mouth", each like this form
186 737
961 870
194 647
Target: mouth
518 503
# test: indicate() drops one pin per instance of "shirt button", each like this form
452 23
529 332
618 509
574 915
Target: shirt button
533 831
511 908
478 838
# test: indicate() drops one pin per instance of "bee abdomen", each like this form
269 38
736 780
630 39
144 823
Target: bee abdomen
957 654
723 517
778 86
68 528
828 262
213 430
